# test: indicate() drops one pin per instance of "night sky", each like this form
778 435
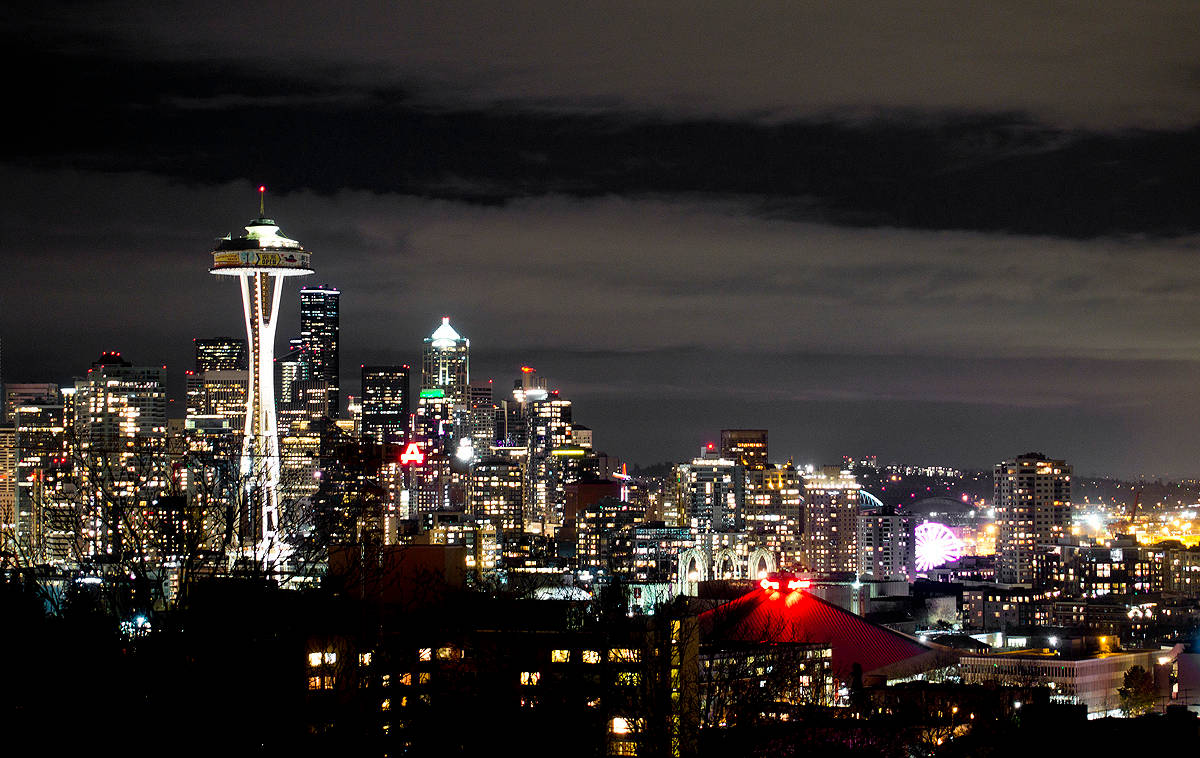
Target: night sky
937 232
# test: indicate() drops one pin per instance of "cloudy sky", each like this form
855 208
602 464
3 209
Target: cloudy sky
938 232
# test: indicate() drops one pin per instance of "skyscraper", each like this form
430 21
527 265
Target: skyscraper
745 446
320 333
261 259
1032 498
220 354
384 400
830 540
713 489
445 363
119 438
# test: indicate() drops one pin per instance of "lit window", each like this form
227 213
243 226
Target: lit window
386 680
327 683
425 654
624 654
531 677
314 682
560 656
314 659
620 725
629 678
364 659
591 656
331 657
386 705
447 653
423 677
406 679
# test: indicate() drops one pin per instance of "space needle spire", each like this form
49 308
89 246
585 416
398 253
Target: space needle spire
261 258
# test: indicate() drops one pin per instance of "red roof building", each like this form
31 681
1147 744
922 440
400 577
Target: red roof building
769 615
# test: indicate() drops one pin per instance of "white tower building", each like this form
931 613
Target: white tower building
261 258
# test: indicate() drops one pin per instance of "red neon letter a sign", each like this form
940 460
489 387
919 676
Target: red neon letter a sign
412 454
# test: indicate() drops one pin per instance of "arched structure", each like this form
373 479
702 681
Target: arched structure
760 563
867 500
726 564
693 569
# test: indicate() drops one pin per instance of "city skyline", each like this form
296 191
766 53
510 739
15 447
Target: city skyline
827 221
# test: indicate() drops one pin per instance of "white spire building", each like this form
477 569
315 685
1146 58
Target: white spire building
445 363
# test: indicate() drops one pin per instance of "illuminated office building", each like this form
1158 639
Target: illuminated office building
385 405
1032 498
445 363
747 447
480 424
220 354
19 394
320 335
261 259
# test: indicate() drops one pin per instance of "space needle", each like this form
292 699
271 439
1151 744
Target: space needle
261 258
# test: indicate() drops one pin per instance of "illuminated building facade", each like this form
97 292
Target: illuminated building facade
713 490
598 529
8 489
261 259
885 544
220 354
747 447
45 522
480 424
495 494
773 515
385 402
1032 498
320 337
119 440
1121 568
18 394
445 363
831 521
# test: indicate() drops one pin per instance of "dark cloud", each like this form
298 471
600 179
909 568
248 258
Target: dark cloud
839 221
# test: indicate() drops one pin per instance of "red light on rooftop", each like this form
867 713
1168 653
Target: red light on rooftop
711 446
262 188
527 369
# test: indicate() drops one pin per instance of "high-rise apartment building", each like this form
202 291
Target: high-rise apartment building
320 335
713 488
220 354
1032 498
385 402
445 363
831 521
119 441
885 544
495 494
773 515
